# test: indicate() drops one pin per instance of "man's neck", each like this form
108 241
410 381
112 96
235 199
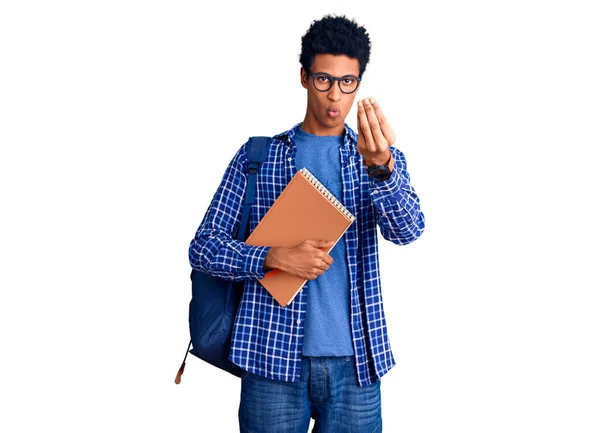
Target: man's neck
316 129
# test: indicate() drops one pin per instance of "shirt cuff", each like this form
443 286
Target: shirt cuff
255 259
391 188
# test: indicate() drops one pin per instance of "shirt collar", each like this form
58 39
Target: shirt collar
287 136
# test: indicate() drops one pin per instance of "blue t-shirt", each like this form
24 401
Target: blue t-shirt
327 329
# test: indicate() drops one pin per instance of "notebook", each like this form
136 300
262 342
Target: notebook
304 210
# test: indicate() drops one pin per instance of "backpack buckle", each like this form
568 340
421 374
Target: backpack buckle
253 167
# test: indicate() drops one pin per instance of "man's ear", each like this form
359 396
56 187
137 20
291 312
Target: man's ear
304 78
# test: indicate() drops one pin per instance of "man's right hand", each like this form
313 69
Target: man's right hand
306 260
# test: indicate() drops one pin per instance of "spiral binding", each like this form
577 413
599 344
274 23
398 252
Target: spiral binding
329 196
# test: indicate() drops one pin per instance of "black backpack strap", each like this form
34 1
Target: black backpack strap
256 149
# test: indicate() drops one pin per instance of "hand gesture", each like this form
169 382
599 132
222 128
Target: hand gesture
375 135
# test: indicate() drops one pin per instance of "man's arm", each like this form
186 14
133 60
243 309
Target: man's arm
397 205
214 250
398 208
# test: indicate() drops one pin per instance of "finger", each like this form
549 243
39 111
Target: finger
323 265
363 125
320 263
314 273
381 143
386 128
327 259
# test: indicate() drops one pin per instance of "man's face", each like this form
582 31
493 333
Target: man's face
327 111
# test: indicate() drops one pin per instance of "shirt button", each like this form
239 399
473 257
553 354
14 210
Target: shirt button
290 159
298 321
301 290
375 192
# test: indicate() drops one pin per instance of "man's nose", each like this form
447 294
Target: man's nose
335 94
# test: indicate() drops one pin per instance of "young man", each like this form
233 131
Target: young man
324 354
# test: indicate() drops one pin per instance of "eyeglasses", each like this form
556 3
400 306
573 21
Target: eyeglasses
323 82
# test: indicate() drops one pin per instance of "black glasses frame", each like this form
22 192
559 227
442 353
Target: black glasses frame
332 79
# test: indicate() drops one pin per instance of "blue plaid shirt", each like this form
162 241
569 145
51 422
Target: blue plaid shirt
267 338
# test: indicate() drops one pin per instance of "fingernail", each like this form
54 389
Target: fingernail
372 100
360 104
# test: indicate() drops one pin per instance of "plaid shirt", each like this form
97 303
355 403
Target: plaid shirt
267 338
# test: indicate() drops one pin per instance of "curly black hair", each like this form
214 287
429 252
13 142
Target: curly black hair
336 35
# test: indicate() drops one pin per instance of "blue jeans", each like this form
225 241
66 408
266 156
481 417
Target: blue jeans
328 391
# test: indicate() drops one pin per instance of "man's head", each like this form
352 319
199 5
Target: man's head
335 53
336 35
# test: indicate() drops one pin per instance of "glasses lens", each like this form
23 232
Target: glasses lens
348 84
322 82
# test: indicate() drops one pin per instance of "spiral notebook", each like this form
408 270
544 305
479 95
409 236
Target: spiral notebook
304 210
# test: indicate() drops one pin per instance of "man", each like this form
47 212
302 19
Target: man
324 354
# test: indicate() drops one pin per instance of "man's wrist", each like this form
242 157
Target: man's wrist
383 160
270 259
380 172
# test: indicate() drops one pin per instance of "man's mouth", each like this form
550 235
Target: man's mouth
333 112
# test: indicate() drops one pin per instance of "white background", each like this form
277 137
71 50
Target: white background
117 120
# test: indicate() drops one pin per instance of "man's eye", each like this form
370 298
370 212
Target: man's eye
349 81
323 79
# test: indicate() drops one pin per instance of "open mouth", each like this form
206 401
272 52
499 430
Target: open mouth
333 113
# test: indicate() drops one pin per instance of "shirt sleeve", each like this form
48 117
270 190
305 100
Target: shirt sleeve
214 249
398 209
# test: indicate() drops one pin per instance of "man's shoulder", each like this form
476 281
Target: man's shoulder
286 135
275 139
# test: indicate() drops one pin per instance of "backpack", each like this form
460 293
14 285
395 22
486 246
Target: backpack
215 300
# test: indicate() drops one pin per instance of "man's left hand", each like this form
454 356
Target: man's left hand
375 135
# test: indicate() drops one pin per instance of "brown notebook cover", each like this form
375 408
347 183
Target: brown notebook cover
304 210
